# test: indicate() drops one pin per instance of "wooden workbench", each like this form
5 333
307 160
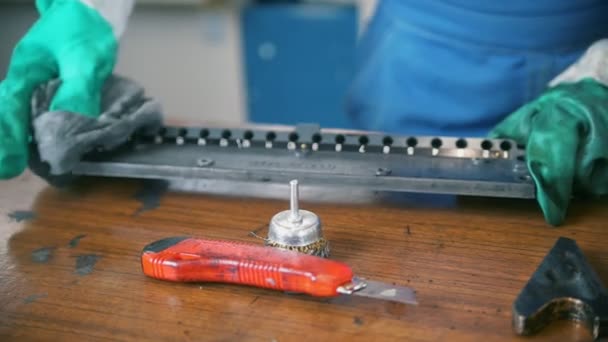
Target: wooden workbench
70 269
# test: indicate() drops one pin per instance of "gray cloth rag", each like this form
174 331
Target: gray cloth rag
61 138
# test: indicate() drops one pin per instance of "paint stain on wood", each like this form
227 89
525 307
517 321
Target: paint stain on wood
34 297
42 255
408 230
86 263
21 215
76 240
150 195
358 321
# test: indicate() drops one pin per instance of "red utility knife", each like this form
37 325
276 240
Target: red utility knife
186 259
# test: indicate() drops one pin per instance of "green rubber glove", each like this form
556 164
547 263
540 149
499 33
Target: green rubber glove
71 41
565 132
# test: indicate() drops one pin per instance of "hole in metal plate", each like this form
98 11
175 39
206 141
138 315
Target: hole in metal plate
486 145
412 142
461 143
505 145
226 134
436 143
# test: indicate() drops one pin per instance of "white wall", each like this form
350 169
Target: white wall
189 59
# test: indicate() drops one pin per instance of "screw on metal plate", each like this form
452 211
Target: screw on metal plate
564 286
525 178
382 171
297 229
204 162
303 151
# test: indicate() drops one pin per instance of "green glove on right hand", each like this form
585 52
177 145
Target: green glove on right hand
565 132
71 41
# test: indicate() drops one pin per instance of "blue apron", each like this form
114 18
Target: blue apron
458 67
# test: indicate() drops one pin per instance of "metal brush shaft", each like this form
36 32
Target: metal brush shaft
293 203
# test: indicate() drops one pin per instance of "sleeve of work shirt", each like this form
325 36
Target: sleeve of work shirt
75 41
565 131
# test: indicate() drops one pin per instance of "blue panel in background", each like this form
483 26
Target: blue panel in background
299 62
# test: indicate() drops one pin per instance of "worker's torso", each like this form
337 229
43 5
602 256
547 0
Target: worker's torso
457 67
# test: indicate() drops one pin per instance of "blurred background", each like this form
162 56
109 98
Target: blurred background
234 61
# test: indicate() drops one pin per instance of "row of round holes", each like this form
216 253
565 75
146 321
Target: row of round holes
340 139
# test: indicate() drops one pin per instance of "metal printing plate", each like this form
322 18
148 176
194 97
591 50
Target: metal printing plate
354 159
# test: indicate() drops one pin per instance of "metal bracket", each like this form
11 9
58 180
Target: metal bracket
563 287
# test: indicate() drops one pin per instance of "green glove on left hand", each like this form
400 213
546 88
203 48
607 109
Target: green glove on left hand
565 132
71 41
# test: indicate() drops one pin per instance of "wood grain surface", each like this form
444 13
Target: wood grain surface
70 266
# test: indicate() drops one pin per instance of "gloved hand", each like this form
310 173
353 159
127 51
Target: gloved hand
565 132
71 41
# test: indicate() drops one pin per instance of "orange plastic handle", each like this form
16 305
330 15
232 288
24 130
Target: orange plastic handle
184 259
